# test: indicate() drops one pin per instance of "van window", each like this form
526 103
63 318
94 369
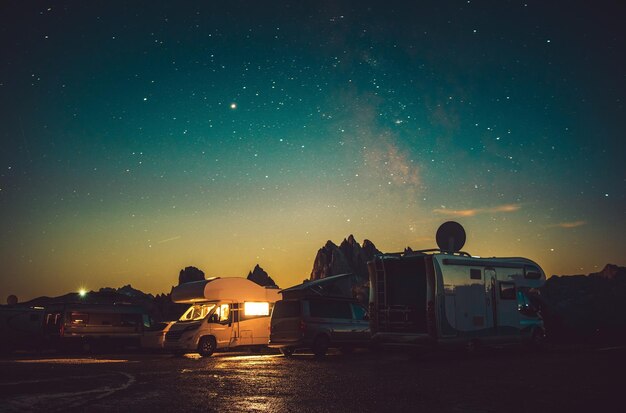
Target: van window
254 308
224 313
197 312
476 274
359 312
507 291
79 318
286 309
330 309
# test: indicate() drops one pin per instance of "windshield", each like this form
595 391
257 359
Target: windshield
197 312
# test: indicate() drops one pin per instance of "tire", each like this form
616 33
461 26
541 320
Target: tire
286 351
207 346
320 345
472 347
537 340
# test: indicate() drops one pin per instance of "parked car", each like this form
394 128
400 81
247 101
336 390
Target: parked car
318 324
154 337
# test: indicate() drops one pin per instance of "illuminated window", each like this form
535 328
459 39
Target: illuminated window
79 318
224 313
250 309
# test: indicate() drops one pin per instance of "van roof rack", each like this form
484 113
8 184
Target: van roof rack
421 252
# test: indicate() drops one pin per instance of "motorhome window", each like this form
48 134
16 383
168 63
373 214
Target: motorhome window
330 309
286 309
197 312
475 274
256 309
79 318
507 291
533 275
129 319
224 313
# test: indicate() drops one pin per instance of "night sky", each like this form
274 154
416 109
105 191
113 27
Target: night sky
139 138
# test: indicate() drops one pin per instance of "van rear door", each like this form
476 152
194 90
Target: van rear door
285 324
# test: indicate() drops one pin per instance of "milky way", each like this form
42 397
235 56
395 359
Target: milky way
142 138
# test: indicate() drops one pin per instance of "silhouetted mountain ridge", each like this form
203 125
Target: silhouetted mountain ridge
348 257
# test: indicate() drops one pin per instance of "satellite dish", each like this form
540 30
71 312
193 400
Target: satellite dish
12 299
450 237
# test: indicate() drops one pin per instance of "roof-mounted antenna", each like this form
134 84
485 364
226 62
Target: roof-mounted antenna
450 237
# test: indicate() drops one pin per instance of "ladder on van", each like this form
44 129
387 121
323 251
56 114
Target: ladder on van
381 296
392 317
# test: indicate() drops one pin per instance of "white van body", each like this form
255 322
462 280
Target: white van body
439 298
224 313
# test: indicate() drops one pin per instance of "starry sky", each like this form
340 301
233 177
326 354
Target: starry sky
139 138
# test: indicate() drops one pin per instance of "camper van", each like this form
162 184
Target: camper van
445 296
223 313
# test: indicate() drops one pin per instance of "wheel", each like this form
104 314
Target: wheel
207 346
537 340
472 346
320 345
286 351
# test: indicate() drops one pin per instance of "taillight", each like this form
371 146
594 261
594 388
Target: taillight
302 326
62 330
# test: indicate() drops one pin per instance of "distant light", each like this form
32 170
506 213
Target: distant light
233 105
82 292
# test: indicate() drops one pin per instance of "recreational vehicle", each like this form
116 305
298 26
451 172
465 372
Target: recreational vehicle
223 313
445 296
63 324
88 324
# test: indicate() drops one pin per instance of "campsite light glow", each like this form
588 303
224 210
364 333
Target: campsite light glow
256 308
82 292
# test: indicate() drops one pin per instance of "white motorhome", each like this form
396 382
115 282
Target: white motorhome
438 297
224 313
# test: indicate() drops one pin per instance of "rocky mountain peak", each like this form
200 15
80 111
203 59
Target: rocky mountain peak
349 257
190 274
259 276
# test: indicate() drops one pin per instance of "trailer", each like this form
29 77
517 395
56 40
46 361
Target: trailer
67 324
448 297
224 313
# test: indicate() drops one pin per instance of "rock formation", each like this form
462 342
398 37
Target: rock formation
259 276
190 274
348 257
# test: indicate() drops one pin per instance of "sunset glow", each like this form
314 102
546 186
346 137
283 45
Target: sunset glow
225 135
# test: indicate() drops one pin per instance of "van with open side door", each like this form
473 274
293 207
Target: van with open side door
446 296
224 313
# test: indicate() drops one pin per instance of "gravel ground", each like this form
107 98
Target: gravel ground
499 380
